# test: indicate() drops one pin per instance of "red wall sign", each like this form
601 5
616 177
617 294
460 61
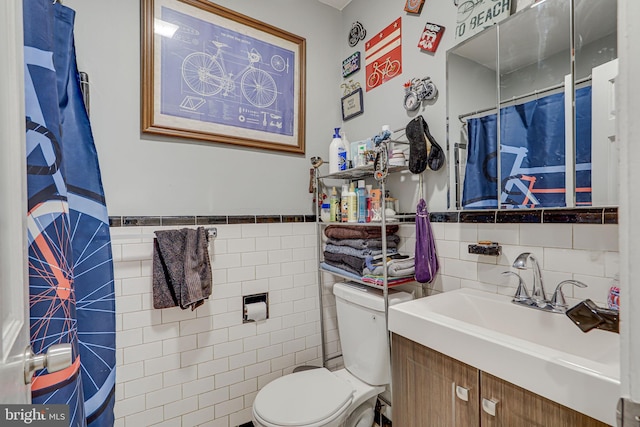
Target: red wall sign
431 36
383 55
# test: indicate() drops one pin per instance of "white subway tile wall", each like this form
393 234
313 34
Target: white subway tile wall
584 252
204 367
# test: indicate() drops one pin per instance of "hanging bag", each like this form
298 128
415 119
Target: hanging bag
426 258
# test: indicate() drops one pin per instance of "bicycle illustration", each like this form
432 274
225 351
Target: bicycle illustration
466 8
381 71
357 33
207 75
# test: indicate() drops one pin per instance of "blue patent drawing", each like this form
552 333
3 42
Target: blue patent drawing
216 75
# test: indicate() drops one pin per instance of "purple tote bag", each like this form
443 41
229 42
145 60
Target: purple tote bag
426 259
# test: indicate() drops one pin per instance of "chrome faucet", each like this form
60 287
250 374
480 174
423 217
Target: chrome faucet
538 295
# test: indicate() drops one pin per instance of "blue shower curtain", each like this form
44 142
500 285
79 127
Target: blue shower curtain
532 155
71 288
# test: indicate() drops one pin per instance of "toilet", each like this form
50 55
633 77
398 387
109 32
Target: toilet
347 397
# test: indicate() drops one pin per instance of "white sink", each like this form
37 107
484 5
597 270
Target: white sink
540 351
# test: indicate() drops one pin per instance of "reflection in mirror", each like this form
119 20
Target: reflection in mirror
596 66
471 71
534 49
525 64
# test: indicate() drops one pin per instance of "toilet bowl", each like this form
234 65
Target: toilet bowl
316 398
347 397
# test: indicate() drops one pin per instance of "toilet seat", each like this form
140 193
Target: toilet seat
303 399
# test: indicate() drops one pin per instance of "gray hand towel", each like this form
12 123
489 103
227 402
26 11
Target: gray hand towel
181 268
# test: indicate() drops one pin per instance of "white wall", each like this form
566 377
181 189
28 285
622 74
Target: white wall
383 105
149 175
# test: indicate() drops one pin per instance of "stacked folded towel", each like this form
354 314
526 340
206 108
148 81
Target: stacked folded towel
358 250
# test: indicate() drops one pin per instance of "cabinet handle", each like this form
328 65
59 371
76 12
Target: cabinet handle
489 406
462 393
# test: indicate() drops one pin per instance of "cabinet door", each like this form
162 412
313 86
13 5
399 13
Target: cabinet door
517 407
424 388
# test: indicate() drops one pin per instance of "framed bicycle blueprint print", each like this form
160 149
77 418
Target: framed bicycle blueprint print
212 74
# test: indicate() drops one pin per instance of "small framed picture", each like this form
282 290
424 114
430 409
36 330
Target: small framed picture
431 36
352 104
413 6
351 64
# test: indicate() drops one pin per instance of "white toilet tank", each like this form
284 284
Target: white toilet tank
363 330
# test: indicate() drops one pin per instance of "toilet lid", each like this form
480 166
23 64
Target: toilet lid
302 398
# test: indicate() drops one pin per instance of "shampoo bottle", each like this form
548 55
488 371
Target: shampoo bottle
362 202
337 153
344 204
334 206
352 204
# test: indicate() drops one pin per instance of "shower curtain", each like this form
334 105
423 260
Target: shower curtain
71 288
532 155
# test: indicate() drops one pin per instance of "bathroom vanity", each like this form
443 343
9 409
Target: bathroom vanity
432 389
470 358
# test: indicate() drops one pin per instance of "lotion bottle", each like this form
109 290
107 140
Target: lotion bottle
352 204
337 153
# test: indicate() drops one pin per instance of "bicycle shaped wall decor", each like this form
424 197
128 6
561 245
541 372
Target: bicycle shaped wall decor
206 75
418 90
388 68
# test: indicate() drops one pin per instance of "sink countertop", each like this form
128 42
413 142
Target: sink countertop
539 351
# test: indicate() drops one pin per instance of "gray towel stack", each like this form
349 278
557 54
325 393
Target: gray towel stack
181 268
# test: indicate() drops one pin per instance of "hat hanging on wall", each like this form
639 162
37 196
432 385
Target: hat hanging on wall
424 150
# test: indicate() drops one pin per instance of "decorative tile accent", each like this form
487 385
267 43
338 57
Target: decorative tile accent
136 221
573 216
444 216
526 217
242 219
115 221
211 220
610 215
485 217
295 218
268 219
178 220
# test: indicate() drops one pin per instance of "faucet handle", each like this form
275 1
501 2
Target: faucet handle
558 301
522 294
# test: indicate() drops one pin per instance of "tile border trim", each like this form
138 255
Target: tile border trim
608 215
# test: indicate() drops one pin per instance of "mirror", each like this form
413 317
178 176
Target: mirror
551 154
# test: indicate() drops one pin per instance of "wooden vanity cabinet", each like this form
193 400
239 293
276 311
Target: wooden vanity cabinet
424 387
429 390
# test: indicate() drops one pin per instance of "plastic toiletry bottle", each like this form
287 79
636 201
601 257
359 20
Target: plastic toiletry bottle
337 153
334 206
352 204
344 204
362 201
368 201
347 148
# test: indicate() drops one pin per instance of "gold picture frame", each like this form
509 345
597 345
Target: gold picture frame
212 74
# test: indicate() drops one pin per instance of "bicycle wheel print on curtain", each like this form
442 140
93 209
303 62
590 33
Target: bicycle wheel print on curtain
70 262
